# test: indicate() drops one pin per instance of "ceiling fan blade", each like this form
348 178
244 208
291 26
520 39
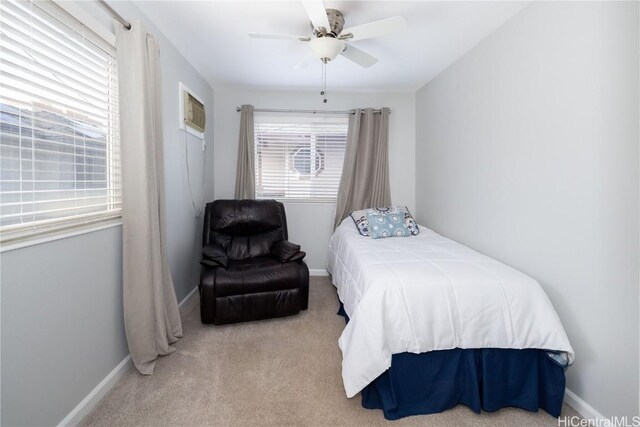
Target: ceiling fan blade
278 36
358 56
317 14
306 60
375 28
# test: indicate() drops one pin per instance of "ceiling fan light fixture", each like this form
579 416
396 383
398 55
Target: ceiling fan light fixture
326 48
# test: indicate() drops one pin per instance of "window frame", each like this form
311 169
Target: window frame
311 145
60 228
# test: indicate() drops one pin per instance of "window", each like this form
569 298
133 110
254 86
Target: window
59 143
299 157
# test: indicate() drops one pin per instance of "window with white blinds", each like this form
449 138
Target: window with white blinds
59 142
299 157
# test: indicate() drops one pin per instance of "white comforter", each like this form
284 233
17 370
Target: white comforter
424 293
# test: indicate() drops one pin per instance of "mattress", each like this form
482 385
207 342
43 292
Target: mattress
426 292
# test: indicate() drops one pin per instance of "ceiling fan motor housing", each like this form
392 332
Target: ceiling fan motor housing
336 21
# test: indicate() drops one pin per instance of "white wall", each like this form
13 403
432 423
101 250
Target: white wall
311 225
62 325
527 150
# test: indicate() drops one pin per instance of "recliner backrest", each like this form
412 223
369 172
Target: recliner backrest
245 228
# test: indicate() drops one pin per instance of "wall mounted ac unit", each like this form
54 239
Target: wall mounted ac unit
192 113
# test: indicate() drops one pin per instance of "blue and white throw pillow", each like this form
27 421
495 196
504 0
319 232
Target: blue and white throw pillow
360 218
387 224
362 223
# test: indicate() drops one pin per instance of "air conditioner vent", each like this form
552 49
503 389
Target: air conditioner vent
192 112
194 116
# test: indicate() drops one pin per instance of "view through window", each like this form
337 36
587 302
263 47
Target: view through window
299 156
59 142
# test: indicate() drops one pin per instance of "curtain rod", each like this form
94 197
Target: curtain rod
115 14
275 110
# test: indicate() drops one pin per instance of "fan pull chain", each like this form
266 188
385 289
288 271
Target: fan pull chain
323 92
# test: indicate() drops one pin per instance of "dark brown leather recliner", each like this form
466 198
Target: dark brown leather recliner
249 269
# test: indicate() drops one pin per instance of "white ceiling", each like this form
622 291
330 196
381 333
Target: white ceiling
212 35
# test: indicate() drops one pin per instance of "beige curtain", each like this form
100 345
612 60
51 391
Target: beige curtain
152 320
245 171
365 175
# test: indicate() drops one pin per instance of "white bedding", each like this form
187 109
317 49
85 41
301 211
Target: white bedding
427 292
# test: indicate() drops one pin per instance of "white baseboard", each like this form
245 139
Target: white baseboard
188 297
318 272
89 402
85 406
583 408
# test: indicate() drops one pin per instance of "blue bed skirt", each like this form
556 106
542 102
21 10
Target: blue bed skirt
483 379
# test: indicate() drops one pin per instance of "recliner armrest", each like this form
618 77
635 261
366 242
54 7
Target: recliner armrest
285 251
214 255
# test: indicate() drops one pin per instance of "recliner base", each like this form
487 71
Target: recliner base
256 306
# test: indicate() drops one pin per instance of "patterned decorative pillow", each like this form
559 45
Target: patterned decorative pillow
387 224
362 223
360 218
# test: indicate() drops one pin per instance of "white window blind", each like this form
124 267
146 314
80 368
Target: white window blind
299 157
59 142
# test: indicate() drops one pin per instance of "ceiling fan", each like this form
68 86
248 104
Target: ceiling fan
328 39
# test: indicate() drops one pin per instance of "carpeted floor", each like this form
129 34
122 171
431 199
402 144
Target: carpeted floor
274 372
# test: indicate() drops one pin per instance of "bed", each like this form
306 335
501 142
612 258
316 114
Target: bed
432 324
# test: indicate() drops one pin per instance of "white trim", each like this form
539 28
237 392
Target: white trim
85 406
318 272
189 295
87 20
64 234
582 407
